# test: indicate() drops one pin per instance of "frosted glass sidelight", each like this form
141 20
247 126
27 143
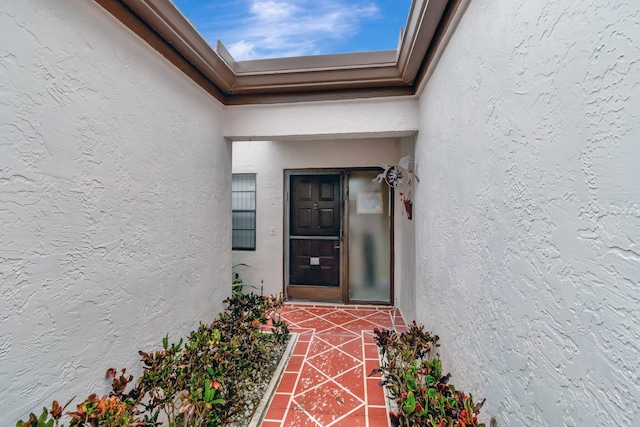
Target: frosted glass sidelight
369 238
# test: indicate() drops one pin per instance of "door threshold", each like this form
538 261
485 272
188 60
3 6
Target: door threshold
351 304
311 293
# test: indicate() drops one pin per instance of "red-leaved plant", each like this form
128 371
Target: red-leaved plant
415 382
196 382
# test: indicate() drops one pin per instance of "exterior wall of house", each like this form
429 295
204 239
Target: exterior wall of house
405 250
114 203
528 210
352 133
268 160
328 120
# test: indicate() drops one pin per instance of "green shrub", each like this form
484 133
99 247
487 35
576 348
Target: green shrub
415 382
194 382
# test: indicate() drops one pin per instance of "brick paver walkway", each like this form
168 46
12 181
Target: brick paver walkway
325 382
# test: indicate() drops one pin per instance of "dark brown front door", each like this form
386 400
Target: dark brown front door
315 229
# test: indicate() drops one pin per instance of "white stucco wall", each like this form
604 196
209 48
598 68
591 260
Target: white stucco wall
114 202
358 118
405 249
268 160
528 222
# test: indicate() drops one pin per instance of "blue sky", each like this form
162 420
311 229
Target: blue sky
256 29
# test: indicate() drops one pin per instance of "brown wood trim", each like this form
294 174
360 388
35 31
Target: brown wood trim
391 243
450 12
344 284
165 30
314 293
392 249
421 37
285 233
326 95
336 294
125 15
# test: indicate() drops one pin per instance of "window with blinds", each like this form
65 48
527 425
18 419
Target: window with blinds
243 206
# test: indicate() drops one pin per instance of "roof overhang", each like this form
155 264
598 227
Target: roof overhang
308 78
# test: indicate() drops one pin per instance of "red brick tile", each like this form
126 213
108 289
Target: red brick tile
338 336
371 351
353 348
287 382
375 393
319 400
360 310
298 418
339 317
360 325
295 363
370 365
353 381
318 346
319 311
301 348
278 407
381 319
309 377
334 362
297 316
317 323
356 418
378 417
304 334
328 402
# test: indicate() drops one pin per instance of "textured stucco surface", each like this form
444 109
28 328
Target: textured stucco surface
114 202
386 117
404 245
268 160
528 210
115 214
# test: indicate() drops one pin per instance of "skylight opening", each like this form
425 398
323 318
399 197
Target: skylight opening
264 29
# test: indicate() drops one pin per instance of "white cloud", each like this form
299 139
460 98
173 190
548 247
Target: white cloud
281 28
272 11
242 49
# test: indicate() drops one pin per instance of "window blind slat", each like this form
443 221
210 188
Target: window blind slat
243 206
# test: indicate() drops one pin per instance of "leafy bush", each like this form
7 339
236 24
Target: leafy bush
195 382
414 380
237 284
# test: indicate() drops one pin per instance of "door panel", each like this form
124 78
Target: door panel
315 262
303 221
327 191
326 219
314 235
315 206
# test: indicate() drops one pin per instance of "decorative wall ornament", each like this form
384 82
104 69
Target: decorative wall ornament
407 203
397 175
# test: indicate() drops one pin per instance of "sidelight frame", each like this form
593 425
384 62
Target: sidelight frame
340 294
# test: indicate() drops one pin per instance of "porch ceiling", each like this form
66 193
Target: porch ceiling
309 78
